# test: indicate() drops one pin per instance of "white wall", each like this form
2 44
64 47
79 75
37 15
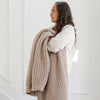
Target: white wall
20 22
94 30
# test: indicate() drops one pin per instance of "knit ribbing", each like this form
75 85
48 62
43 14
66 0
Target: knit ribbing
47 76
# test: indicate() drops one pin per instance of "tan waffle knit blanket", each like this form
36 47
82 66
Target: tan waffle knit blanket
47 76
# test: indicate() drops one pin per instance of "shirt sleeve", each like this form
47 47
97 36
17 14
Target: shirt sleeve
61 39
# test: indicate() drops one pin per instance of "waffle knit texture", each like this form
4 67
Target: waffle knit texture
47 76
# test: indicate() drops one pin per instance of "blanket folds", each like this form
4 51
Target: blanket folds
47 76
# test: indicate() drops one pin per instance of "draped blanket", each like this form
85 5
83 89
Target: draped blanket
47 76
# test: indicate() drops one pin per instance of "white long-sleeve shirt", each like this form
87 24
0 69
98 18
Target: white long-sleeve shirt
65 38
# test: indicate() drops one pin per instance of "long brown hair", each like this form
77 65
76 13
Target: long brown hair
64 17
